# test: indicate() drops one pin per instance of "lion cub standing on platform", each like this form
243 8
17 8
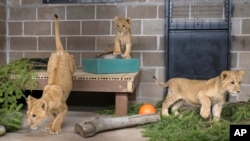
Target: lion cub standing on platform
123 39
52 104
206 93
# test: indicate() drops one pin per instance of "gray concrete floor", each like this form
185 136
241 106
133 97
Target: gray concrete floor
68 134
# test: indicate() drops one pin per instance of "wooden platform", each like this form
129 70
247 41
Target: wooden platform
121 84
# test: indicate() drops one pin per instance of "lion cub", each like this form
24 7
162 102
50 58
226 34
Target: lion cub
206 93
52 104
123 37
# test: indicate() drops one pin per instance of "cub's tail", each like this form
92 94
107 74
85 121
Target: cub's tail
59 46
104 53
161 84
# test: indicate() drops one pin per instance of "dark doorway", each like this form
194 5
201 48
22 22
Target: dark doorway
197 38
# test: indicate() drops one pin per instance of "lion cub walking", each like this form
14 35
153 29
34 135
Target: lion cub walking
206 93
52 104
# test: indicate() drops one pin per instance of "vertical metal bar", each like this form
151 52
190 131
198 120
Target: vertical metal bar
167 26
229 31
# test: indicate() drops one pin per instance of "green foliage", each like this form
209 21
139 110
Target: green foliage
12 120
14 78
187 127
110 110
237 112
190 126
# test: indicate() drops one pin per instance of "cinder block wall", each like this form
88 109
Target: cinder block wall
240 43
88 29
2 32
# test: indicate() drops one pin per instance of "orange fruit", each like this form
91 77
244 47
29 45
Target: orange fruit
147 109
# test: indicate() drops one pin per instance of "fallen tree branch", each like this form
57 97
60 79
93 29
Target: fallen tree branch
90 128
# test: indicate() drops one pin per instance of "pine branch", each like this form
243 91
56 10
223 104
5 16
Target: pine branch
14 77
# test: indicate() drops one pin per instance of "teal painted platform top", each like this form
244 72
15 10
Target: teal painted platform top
108 66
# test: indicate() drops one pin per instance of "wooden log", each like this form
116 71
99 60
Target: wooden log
90 128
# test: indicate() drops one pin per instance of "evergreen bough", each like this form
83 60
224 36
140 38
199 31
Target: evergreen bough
189 126
15 77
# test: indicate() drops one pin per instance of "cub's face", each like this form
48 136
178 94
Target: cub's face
122 25
231 81
36 112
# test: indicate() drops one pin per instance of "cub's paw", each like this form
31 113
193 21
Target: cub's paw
126 56
176 113
216 119
204 114
164 112
54 131
48 126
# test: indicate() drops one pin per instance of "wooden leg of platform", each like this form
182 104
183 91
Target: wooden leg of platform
121 104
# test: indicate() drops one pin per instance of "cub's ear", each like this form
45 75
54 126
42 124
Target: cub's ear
44 105
128 20
240 74
116 19
224 75
30 100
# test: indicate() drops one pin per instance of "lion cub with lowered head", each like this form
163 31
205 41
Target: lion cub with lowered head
205 93
123 37
52 104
